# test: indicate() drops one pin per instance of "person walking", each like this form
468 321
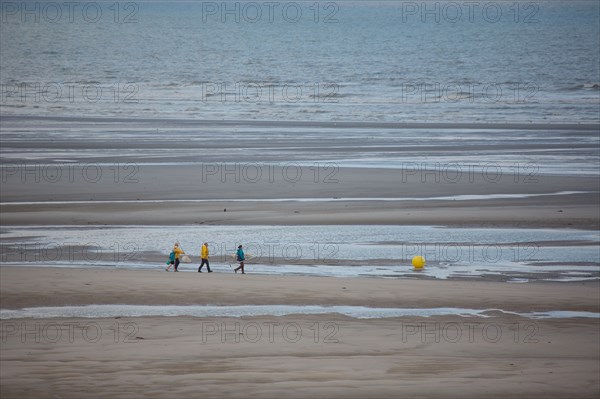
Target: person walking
177 251
204 256
239 256
171 260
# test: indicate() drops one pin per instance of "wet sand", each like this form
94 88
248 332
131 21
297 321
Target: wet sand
119 159
412 200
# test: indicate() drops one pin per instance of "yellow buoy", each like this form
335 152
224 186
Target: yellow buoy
418 262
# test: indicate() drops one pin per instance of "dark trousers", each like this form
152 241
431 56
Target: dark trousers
240 267
204 261
176 263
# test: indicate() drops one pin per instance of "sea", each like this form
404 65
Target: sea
388 61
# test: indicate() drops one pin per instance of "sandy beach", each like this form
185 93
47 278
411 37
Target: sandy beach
330 356
491 354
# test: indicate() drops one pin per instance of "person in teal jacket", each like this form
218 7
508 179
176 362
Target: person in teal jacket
239 256
174 260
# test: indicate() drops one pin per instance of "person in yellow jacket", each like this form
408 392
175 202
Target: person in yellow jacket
178 252
204 256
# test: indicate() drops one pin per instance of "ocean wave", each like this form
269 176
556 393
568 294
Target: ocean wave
583 86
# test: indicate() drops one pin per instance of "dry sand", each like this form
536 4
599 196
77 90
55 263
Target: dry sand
32 286
274 357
